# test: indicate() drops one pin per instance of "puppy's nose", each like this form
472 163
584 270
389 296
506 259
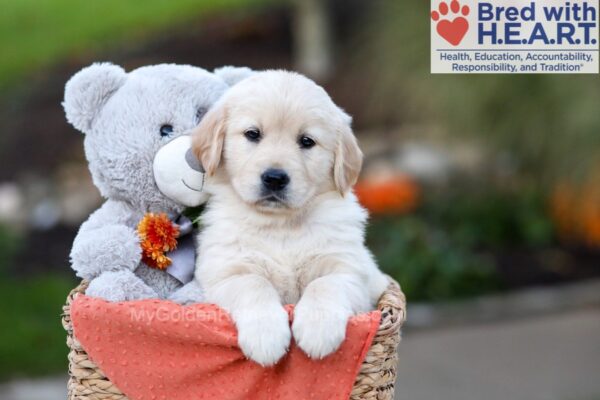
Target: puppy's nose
275 179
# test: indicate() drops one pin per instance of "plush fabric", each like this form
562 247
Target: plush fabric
121 115
161 350
179 175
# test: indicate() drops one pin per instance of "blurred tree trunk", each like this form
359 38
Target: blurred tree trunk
312 38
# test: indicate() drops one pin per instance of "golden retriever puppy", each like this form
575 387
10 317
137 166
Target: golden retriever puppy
282 225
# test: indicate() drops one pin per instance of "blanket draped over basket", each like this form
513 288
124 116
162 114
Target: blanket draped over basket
154 349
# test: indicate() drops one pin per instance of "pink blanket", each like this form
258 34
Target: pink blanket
155 349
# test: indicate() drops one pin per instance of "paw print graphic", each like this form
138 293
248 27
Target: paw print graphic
452 30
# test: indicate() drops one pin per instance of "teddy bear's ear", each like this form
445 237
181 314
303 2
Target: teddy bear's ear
88 90
232 75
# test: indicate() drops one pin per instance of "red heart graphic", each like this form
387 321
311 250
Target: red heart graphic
454 31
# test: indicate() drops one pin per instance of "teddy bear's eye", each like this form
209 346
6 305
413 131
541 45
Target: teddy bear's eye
200 113
166 130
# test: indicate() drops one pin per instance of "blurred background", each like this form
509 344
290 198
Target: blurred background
484 190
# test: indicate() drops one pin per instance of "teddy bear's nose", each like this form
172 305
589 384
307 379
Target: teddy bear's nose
193 162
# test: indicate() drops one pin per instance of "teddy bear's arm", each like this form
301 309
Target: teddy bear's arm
105 242
189 293
120 286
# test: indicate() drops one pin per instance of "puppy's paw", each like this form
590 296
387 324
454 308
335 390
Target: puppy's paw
264 337
318 331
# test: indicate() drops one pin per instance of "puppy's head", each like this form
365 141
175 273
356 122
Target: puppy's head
280 141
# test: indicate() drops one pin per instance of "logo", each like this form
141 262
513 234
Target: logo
514 37
451 26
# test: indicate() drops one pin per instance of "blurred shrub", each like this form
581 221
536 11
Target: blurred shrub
428 262
446 249
492 219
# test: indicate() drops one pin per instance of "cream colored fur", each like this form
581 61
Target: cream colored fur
308 249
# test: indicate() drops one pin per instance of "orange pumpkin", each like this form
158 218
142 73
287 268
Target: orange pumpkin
575 210
392 195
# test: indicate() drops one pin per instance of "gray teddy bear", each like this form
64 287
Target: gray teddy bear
126 119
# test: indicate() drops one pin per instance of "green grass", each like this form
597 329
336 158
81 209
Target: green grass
32 340
37 33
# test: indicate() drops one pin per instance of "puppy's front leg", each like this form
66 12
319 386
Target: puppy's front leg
262 322
321 315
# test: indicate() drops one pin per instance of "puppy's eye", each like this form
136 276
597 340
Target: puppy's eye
305 142
252 134
166 130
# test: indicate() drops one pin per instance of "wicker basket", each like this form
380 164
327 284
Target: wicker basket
375 381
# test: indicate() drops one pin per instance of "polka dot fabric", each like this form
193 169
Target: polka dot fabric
154 350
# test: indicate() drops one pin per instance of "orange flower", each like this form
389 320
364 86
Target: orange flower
393 195
158 235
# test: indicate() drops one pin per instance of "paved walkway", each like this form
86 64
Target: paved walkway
555 357
42 389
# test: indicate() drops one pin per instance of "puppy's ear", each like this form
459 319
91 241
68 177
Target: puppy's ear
348 156
208 138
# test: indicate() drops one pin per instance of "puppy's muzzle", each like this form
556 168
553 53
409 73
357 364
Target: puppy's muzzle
275 180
